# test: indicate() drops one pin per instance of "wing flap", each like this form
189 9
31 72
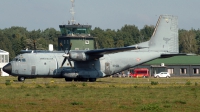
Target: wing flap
101 52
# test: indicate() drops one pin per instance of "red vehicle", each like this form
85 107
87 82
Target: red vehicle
139 72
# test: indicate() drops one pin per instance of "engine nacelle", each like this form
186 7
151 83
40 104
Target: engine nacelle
78 56
69 74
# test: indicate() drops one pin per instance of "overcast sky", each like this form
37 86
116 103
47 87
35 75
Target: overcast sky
106 14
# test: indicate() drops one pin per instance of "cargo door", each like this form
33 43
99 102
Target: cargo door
107 68
42 68
33 70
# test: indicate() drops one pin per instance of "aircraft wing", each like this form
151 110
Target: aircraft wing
97 53
101 52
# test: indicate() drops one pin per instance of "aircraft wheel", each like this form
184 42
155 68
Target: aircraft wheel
76 79
21 79
92 79
84 79
68 79
167 77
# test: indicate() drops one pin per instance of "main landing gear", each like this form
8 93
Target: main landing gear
80 79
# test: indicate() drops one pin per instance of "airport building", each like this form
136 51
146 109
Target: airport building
177 66
4 59
77 35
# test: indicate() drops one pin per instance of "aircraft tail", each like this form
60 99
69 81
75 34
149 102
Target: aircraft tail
165 36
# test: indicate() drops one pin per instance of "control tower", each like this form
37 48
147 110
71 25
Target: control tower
75 33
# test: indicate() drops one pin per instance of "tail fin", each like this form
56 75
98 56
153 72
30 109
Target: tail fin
165 36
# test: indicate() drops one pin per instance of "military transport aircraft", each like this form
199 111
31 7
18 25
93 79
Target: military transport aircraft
91 64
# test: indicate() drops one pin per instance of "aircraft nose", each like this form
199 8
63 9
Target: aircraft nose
7 68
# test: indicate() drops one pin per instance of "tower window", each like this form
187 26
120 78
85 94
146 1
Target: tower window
86 41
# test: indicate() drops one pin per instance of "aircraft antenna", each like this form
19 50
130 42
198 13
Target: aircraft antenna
72 12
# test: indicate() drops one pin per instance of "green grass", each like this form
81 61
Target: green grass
107 94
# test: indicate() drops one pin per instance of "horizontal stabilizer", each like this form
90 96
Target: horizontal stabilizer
170 55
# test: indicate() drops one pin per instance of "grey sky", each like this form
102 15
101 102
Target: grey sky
106 14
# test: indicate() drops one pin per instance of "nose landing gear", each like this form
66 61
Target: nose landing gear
21 78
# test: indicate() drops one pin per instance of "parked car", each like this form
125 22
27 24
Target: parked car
162 74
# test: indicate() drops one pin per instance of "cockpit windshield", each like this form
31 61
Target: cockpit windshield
18 59
15 59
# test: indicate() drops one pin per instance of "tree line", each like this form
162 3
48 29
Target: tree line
15 39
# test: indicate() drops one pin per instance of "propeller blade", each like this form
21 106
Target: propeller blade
69 48
62 47
66 55
70 63
63 61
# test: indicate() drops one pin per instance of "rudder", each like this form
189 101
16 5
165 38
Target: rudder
165 36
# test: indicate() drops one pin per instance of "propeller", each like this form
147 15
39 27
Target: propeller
66 55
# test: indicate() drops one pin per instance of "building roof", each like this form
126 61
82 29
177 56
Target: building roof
75 26
176 60
77 36
3 52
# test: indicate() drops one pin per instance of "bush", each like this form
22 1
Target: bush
38 86
73 85
196 84
188 83
151 107
180 102
8 82
76 103
111 85
154 83
84 84
23 86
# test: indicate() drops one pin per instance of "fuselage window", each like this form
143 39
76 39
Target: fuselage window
23 60
19 60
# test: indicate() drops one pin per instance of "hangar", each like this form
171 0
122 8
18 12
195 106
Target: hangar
176 66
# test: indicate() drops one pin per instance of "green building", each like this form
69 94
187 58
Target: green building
78 35
176 66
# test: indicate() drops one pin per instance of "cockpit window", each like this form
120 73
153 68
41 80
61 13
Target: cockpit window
19 60
23 60
15 59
